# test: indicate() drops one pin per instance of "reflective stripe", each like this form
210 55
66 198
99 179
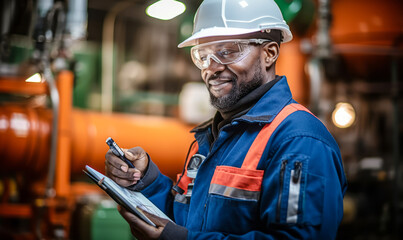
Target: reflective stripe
293 199
234 192
259 145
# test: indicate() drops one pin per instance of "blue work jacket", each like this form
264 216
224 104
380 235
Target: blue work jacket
295 192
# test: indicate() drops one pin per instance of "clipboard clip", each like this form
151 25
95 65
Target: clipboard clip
101 181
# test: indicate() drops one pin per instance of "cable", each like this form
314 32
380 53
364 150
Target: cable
176 188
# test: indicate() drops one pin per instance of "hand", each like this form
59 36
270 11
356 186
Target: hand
118 171
140 229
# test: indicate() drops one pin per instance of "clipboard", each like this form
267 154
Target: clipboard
133 201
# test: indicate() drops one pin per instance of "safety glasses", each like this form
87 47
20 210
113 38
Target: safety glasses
223 52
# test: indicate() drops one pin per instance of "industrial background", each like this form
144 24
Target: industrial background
75 72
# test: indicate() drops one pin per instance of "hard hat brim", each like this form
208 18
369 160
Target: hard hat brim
222 31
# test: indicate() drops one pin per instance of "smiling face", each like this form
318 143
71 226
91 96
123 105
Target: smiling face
228 83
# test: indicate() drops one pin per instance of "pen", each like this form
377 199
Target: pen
118 151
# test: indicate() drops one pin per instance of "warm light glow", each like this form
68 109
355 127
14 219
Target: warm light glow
343 115
36 78
165 9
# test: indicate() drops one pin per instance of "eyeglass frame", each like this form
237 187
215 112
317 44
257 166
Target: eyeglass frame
215 58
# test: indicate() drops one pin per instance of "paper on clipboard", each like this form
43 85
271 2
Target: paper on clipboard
133 201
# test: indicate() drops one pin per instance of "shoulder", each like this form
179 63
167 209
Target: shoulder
302 136
302 125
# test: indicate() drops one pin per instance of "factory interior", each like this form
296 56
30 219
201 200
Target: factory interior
75 72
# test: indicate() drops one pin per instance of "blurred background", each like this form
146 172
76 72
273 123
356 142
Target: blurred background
75 72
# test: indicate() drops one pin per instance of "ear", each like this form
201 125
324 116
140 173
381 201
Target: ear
270 53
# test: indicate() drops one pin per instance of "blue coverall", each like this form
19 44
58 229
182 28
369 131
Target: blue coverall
302 183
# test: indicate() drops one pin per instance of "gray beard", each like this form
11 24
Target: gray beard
237 92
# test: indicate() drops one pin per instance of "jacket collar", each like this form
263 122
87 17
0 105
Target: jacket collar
270 104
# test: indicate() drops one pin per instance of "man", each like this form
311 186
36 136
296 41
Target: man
263 167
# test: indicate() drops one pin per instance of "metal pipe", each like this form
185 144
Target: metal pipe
316 76
54 97
52 38
322 50
322 36
108 32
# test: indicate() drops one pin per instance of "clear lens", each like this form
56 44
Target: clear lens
223 52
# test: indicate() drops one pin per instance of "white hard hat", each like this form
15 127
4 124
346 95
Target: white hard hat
236 17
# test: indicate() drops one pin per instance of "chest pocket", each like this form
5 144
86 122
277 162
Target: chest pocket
237 183
234 193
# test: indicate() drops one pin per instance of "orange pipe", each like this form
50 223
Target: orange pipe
62 176
166 140
13 85
15 210
25 140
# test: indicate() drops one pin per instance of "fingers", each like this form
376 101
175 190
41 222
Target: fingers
118 170
132 219
160 222
138 227
135 153
135 223
115 161
139 158
125 182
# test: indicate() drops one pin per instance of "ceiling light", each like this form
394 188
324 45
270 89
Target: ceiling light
165 9
343 115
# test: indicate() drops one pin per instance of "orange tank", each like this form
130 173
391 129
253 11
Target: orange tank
367 33
367 22
24 139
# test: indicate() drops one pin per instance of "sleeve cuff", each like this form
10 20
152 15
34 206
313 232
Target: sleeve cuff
148 178
173 231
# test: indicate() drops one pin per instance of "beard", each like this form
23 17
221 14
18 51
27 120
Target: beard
238 91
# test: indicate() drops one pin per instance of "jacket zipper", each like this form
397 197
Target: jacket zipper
282 171
297 171
203 224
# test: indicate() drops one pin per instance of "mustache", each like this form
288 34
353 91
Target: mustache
213 77
218 75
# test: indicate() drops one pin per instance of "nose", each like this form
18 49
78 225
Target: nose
212 68
212 62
